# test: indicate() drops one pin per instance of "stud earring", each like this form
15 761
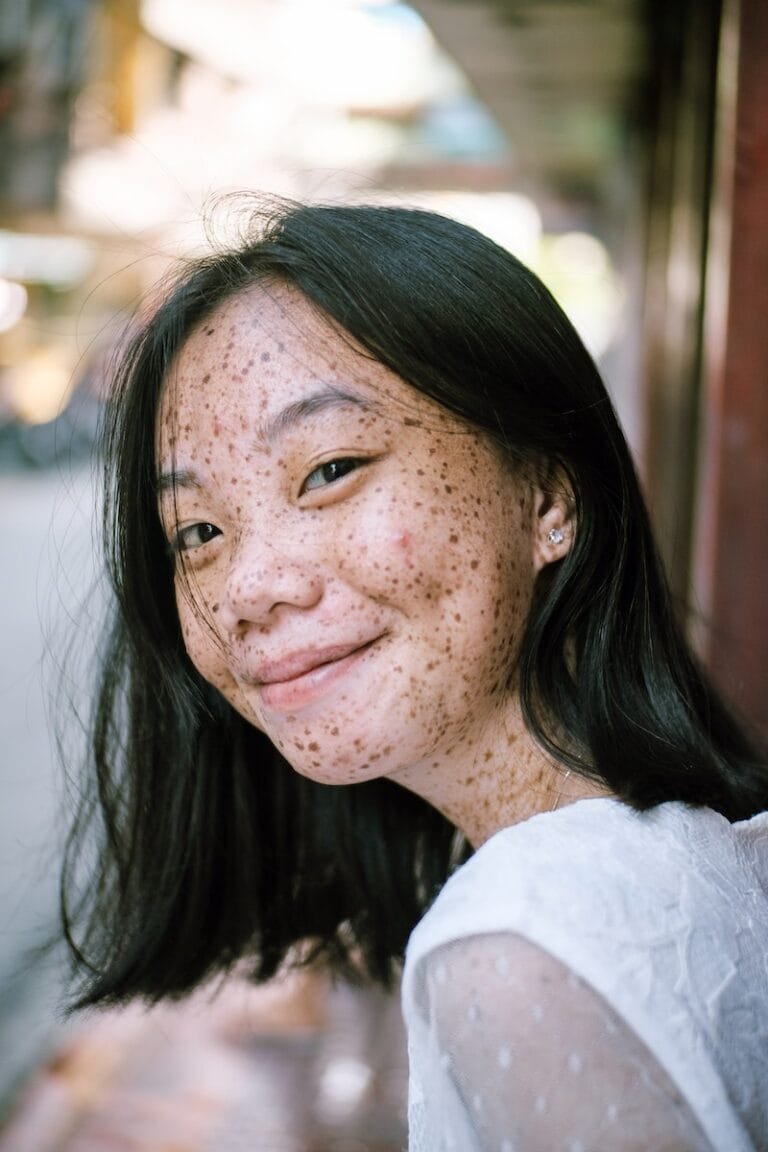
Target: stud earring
555 536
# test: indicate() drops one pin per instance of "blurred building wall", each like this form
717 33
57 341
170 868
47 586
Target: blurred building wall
704 334
730 557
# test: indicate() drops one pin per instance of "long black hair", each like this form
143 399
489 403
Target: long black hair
210 848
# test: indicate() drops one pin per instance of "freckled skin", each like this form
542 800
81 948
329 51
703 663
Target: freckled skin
422 558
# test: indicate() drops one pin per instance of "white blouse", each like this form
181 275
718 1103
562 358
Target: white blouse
595 980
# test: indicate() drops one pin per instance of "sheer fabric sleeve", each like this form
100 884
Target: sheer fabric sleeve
521 1055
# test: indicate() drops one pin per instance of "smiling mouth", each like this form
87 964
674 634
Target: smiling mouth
304 677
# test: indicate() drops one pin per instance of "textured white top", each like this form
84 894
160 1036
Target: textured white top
595 980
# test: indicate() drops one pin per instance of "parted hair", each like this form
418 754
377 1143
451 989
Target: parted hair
196 845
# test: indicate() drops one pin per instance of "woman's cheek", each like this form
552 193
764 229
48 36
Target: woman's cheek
401 541
390 558
201 642
208 655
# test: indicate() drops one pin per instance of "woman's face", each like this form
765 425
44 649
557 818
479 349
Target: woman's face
354 565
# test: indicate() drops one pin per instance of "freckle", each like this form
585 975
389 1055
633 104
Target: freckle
314 746
453 539
474 564
215 608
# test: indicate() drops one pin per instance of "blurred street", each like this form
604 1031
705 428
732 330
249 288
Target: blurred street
45 569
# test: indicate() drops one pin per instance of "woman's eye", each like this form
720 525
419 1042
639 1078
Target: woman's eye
329 472
193 536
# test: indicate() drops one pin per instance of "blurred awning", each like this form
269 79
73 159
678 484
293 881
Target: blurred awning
560 77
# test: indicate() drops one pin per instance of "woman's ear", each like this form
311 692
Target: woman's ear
554 521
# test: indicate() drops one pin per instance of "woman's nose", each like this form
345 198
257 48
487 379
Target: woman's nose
260 581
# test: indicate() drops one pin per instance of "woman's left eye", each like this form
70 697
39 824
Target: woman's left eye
329 472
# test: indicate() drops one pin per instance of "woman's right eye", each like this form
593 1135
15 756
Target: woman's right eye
193 536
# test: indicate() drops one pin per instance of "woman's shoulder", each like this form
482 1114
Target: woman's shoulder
601 865
664 914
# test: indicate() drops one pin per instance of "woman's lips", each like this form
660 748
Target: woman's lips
305 676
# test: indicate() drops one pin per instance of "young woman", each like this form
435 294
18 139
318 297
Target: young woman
385 594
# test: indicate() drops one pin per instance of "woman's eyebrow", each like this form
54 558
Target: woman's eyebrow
329 397
270 430
171 480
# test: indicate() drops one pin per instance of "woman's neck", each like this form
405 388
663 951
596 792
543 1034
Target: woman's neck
496 777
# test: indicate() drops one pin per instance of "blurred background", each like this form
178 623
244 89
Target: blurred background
620 147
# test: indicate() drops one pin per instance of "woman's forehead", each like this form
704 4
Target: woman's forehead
269 347
266 326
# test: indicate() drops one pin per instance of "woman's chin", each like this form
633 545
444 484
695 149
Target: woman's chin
338 766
